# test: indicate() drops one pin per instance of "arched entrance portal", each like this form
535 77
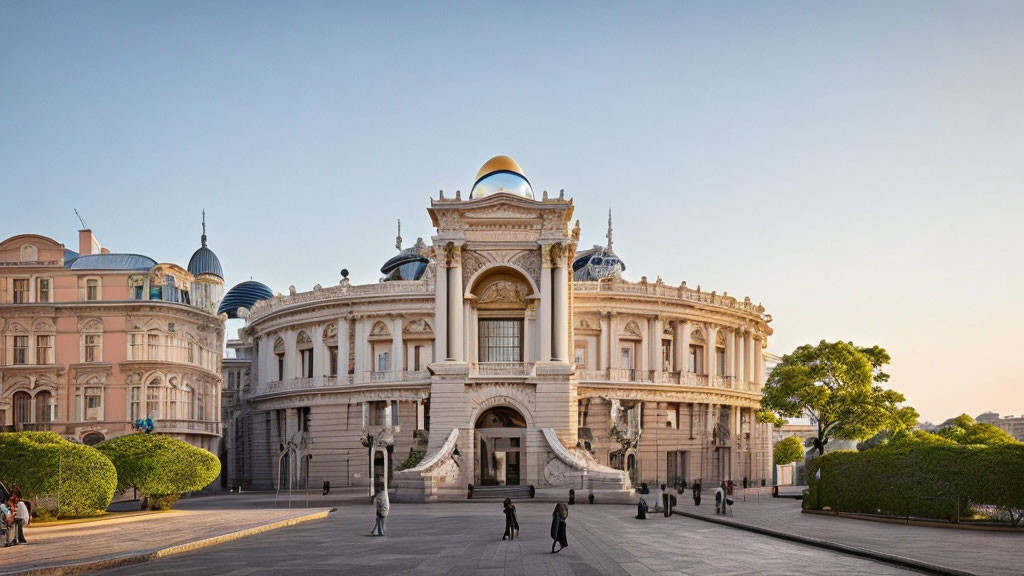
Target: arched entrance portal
501 447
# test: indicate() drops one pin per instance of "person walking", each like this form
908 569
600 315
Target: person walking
22 517
7 528
558 518
383 506
511 522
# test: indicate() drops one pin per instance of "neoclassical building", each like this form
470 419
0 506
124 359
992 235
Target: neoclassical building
499 354
92 341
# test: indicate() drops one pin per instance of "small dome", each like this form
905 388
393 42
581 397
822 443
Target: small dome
596 263
409 264
501 174
204 261
244 295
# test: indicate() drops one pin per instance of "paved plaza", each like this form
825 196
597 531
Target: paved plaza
465 538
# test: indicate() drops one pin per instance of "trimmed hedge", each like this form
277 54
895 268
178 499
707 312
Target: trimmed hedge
920 479
160 467
71 479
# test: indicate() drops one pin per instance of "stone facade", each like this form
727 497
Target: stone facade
499 368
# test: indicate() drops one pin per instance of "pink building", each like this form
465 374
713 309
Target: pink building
92 341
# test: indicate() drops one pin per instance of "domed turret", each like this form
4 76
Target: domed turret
244 295
408 264
598 262
208 288
501 174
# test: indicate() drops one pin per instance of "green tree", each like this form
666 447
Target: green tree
964 430
160 467
836 384
789 449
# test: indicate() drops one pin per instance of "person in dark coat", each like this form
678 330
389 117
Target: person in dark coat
511 522
558 517
696 493
641 509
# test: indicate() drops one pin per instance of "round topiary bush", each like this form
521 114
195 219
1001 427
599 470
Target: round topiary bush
161 468
64 478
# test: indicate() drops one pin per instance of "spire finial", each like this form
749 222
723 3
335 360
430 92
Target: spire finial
204 228
398 239
609 234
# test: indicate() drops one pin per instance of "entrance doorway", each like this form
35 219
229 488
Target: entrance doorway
501 447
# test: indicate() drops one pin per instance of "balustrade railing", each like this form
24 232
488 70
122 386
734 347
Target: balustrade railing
394 376
203 426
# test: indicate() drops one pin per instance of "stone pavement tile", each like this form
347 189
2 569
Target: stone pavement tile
465 538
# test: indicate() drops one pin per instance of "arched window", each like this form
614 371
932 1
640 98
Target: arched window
43 406
188 403
171 399
305 348
279 354
153 398
22 408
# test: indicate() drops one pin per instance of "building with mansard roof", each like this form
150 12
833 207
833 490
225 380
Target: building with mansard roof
91 342
498 355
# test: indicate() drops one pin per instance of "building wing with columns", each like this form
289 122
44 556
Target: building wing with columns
498 355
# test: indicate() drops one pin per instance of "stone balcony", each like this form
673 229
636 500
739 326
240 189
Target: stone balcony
659 377
514 369
169 426
394 376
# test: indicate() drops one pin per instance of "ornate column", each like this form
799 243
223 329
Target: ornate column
456 342
440 347
397 345
741 354
643 362
685 347
712 352
544 319
529 334
560 304
613 340
759 375
656 357
730 352
603 346
748 347
358 345
318 354
342 350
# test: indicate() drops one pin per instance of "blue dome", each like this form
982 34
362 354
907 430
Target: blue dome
204 261
409 264
596 263
244 295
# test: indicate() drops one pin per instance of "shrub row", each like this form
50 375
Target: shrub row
76 480
937 481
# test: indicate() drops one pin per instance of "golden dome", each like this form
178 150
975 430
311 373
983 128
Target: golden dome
499 164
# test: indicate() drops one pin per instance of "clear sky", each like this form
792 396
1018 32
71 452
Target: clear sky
856 166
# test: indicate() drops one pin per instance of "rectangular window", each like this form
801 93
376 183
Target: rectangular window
501 340
280 366
627 358
136 346
581 357
416 351
137 292
382 362
20 290
191 353
92 348
307 363
153 345
44 349
135 403
43 290
93 403
334 360
152 402
21 349
720 361
697 359
92 289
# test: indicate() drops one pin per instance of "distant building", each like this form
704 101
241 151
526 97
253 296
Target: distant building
1013 425
91 341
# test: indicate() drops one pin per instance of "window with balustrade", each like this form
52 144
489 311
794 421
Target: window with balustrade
501 340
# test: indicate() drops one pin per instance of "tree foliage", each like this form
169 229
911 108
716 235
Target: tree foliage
789 449
837 384
964 430
160 466
920 475
64 478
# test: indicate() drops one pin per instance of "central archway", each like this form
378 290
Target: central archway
501 447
